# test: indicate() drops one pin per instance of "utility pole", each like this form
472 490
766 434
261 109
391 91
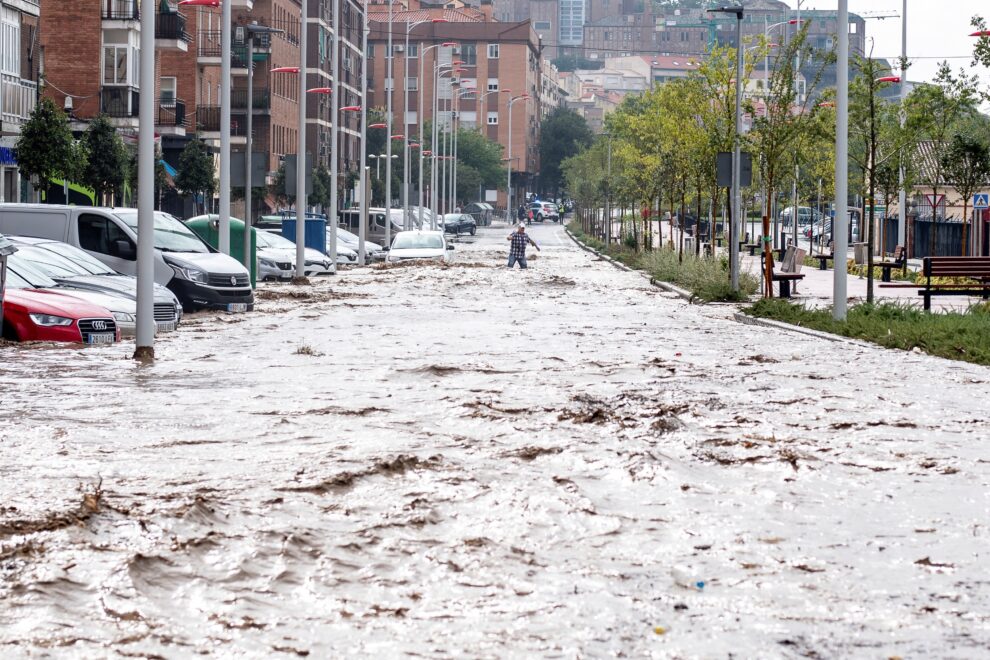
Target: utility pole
365 170
301 163
841 220
389 93
335 119
226 41
145 340
902 193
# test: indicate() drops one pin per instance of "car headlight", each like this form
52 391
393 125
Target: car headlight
49 320
191 274
123 317
267 263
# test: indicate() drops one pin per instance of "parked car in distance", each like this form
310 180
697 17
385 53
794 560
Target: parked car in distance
30 315
459 223
806 216
200 276
350 219
421 246
372 250
74 268
283 251
123 310
543 211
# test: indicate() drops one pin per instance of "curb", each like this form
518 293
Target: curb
817 334
666 286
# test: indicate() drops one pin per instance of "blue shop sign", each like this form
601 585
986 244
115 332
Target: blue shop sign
8 156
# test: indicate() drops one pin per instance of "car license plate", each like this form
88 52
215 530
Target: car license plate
102 338
166 326
237 307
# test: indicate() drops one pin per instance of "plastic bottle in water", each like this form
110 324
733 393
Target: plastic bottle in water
684 577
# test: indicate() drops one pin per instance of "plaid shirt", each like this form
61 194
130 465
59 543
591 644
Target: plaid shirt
518 246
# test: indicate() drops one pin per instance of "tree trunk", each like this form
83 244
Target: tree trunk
965 225
767 245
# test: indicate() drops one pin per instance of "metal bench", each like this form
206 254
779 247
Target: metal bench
899 261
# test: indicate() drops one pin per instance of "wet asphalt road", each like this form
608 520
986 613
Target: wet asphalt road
468 461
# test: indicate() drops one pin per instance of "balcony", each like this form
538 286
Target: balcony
209 50
19 99
125 11
121 104
208 124
170 32
262 100
171 117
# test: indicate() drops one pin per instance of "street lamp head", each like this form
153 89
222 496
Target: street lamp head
794 21
285 69
199 3
981 33
399 136
254 28
427 153
450 44
319 90
888 79
351 108
728 9
377 125
439 20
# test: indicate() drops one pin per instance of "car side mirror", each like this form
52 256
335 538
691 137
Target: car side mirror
449 246
125 250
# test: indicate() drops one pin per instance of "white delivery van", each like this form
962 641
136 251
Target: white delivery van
199 276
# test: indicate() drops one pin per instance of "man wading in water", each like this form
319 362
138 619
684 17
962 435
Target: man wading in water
518 240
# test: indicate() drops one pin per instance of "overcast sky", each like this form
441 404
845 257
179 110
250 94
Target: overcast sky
937 30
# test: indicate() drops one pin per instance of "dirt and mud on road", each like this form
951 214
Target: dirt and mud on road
469 461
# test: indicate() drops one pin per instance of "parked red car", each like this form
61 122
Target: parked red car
30 315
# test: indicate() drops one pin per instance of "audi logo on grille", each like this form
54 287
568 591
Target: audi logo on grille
233 281
99 325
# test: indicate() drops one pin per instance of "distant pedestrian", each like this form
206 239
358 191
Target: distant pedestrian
518 240
521 212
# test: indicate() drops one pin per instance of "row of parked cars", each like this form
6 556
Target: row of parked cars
71 274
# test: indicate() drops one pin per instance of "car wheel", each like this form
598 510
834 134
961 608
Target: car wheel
474 230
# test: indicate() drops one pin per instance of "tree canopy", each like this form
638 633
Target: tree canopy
46 149
563 134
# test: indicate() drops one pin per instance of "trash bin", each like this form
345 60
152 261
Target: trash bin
207 227
689 244
860 253
315 232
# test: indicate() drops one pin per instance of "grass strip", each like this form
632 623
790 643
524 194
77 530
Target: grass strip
963 336
706 278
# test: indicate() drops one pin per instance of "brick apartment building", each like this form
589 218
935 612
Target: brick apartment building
19 74
92 50
502 60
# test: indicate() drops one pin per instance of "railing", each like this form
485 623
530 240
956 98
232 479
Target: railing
19 99
121 10
119 101
262 99
208 120
171 26
210 44
172 112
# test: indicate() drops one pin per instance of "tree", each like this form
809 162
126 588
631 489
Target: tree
967 166
933 110
484 157
45 148
161 176
563 134
196 172
107 163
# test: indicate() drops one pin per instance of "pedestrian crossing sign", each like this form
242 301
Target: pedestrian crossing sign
981 201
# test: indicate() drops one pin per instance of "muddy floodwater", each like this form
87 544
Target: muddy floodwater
469 462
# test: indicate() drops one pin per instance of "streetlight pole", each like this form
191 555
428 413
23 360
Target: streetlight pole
226 41
508 203
335 120
145 340
390 76
419 116
902 192
301 149
365 170
841 219
736 223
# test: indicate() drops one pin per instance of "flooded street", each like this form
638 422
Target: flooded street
467 461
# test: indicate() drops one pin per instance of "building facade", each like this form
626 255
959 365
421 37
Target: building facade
498 61
20 58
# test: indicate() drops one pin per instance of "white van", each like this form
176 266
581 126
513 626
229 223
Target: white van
350 219
197 274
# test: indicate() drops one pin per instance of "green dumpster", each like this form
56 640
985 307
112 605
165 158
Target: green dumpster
207 227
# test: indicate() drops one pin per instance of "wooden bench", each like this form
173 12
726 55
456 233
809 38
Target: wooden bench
823 260
899 261
790 270
975 268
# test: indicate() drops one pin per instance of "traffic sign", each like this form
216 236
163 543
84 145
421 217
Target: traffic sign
981 201
935 201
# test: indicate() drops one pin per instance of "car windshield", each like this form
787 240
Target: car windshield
170 234
50 263
275 241
34 277
82 259
414 241
346 236
15 281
